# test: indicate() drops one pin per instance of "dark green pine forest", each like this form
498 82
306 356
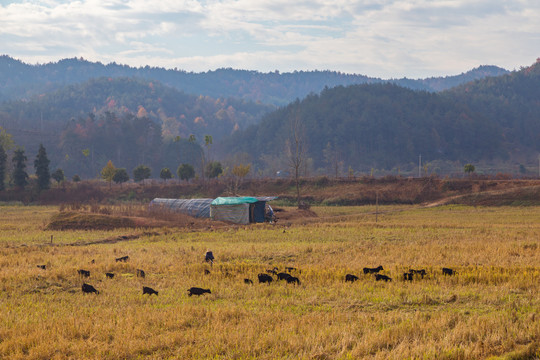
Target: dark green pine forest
384 126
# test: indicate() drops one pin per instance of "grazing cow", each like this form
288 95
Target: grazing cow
283 276
407 276
209 257
293 280
265 278
148 290
43 267
351 278
289 269
109 275
248 281
273 271
447 271
89 289
122 259
373 270
198 291
93 261
382 277
206 272
421 272
141 273
83 273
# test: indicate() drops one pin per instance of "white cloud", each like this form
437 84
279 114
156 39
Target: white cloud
385 38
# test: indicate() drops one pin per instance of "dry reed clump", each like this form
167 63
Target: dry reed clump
71 220
489 308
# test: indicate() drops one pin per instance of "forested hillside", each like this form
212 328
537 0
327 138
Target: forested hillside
19 80
125 120
512 102
354 128
385 126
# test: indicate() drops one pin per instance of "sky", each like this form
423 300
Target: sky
378 38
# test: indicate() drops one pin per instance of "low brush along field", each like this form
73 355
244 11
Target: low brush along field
489 310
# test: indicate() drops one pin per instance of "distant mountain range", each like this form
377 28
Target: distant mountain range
22 81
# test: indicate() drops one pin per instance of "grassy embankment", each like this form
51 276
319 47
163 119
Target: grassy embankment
491 308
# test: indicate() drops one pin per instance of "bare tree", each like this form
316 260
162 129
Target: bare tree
332 158
296 150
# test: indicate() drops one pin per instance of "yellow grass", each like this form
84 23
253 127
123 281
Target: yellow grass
490 309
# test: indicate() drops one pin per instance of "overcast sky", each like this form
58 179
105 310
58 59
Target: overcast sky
380 38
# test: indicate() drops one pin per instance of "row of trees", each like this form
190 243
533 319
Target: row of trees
110 173
185 172
19 176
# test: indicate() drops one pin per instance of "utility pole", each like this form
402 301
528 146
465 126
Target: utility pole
419 165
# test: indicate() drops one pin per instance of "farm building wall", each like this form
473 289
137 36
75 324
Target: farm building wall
238 214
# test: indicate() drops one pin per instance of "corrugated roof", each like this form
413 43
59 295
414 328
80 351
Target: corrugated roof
192 207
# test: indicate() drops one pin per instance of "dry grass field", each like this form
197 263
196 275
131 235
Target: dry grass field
489 310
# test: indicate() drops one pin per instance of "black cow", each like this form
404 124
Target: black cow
265 278
206 272
89 289
109 275
382 277
447 271
83 273
148 290
43 267
407 276
198 291
209 257
351 278
273 271
421 272
248 281
283 276
141 273
122 259
289 269
293 280
373 270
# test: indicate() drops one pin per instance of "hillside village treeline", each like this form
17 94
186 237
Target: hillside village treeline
347 124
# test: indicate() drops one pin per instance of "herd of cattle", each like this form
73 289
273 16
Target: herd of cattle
267 277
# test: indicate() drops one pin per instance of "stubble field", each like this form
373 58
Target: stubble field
489 309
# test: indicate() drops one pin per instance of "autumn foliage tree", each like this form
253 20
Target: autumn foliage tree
469 168
107 173
239 172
